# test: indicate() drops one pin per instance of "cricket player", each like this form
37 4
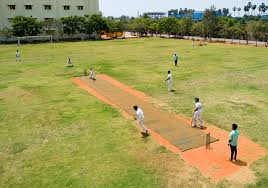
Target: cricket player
233 141
169 81
197 113
140 118
92 74
69 63
18 55
176 59
193 43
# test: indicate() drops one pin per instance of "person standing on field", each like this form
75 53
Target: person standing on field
176 59
140 118
69 62
197 113
18 55
193 43
169 81
92 74
233 142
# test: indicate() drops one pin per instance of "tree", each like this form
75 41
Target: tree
73 25
26 26
95 23
254 8
6 33
239 10
167 25
198 29
186 25
225 11
246 9
210 22
234 9
257 30
154 28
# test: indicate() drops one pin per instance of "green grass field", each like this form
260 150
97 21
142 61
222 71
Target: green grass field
54 134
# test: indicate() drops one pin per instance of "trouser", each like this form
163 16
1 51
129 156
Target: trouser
176 62
198 115
169 86
17 58
233 152
141 122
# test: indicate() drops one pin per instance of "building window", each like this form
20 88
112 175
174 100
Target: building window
66 7
28 7
11 7
47 7
80 7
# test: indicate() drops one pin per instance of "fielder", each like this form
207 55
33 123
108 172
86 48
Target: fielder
18 55
233 141
169 81
193 43
197 113
92 74
175 59
140 118
69 63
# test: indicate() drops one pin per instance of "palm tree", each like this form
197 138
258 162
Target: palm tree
234 9
260 9
246 9
253 8
239 10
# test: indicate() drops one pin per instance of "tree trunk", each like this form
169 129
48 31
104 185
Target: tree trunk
256 43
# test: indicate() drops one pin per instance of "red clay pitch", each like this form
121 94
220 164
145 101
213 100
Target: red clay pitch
213 162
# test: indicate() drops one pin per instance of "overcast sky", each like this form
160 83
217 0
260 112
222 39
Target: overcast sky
131 7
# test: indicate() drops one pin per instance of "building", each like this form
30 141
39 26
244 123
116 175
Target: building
155 15
198 15
45 9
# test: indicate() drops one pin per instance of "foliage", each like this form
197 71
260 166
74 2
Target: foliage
73 25
26 26
6 33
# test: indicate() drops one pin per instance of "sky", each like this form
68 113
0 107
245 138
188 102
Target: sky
132 7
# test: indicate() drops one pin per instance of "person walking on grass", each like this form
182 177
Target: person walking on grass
169 81
140 118
233 142
18 55
176 58
197 113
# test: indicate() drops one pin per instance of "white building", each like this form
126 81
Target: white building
45 9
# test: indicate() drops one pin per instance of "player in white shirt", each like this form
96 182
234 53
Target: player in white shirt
198 112
169 81
70 63
92 74
18 55
140 118
193 43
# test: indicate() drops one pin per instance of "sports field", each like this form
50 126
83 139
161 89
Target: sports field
54 134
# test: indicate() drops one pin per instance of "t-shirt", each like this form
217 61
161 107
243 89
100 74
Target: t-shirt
169 77
175 57
17 54
198 105
139 114
91 74
234 137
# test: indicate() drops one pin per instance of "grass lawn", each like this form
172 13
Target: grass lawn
53 134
